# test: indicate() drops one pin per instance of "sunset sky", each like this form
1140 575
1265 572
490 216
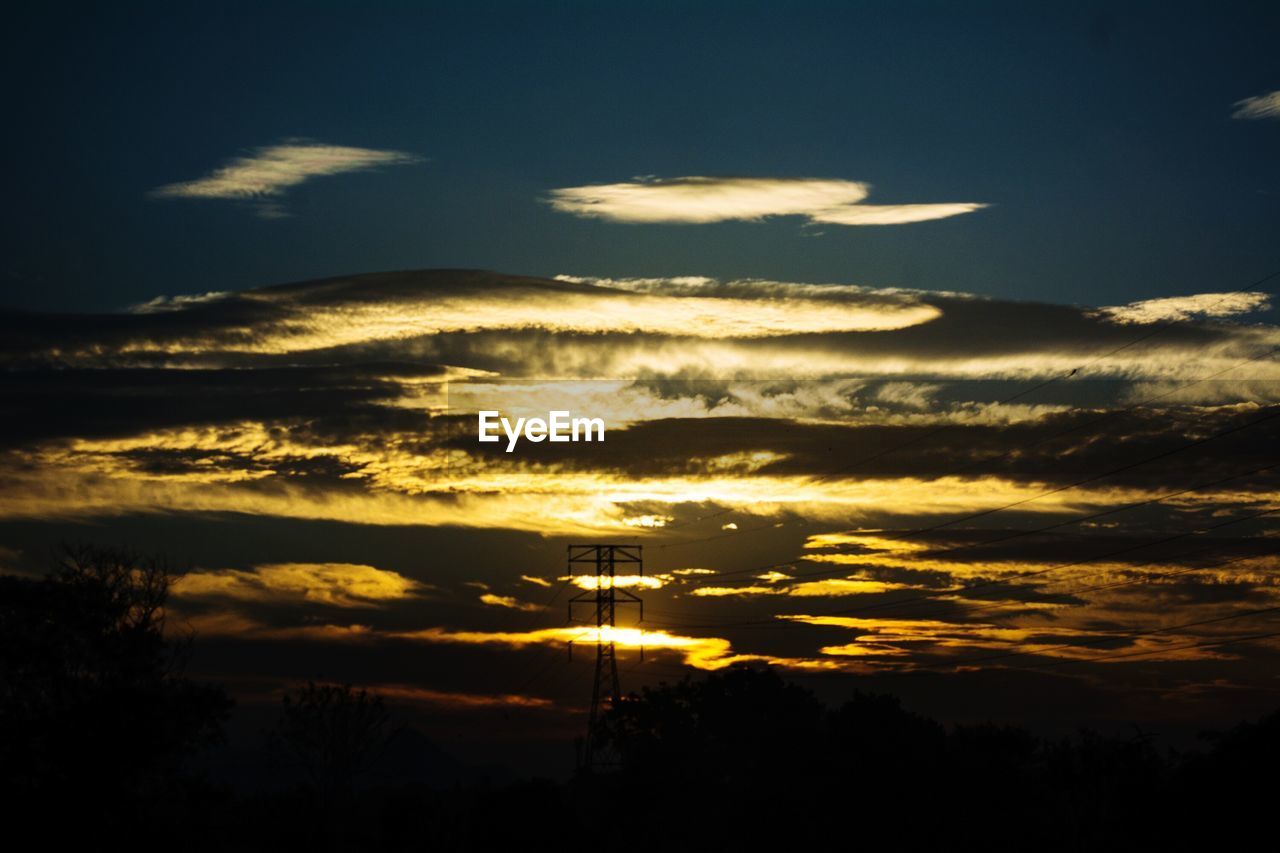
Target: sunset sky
937 344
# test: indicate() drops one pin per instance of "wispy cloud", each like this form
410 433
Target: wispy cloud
336 584
1259 106
698 200
702 652
453 699
509 602
264 175
829 587
690 306
1178 308
163 304
893 214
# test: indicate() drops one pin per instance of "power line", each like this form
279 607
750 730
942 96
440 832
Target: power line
1196 645
1119 637
1206 643
1112 637
1114 413
1041 572
1106 638
1046 528
916 439
549 660
546 608
1092 478
919 438
1014 609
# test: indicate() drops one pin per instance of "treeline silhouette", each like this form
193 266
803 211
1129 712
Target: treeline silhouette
98 721
103 739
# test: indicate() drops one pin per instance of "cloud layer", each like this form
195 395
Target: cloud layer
988 475
336 584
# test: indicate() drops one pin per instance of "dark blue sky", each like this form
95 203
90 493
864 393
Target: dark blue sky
1101 134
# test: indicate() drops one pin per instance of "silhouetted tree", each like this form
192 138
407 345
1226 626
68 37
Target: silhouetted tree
724 727
93 702
332 733
762 761
734 745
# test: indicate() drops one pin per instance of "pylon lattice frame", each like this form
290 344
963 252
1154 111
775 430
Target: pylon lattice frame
605 598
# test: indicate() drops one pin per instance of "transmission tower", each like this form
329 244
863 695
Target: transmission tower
605 598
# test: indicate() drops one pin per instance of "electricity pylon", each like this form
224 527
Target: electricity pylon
605 598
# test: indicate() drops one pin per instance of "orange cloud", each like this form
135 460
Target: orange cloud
337 584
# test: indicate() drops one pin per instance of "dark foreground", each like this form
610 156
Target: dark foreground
102 739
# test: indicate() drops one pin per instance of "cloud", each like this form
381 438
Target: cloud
893 214
317 413
356 311
620 581
1180 308
380 483
1259 106
327 401
699 200
708 653
827 588
689 327
451 699
510 602
876 636
359 428
336 584
161 304
264 175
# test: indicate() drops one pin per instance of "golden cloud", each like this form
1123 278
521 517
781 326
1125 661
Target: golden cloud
451 699
509 602
620 581
699 200
391 484
708 653
337 584
596 311
1175 309
805 589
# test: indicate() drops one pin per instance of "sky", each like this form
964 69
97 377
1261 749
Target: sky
935 346
1100 137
